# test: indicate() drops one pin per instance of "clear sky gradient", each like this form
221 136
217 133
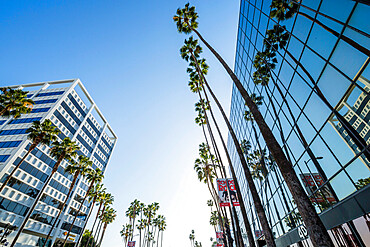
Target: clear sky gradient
127 55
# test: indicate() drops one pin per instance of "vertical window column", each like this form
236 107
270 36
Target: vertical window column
99 139
83 121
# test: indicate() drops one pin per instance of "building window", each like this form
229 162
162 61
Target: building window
25 120
50 94
9 144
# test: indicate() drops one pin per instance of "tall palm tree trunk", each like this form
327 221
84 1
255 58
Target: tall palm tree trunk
235 224
98 231
159 231
32 147
161 238
26 218
87 219
62 207
257 201
133 228
4 110
92 229
78 211
237 188
315 227
102 235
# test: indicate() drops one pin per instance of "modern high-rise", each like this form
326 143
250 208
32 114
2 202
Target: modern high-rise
333 167
72 110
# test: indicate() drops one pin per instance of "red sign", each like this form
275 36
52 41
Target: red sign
258 233
223 192
312 182
219 239
131 243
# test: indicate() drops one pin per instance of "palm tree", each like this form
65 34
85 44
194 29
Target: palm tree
86 237
207 174
95 192
126 232
150 212
109 199
94 176
132 212
141 225
202 106
76 169
104 199
64 150
162 227
188 52
286 9
213 221
39 133
108 217
186 20
192 238
14 103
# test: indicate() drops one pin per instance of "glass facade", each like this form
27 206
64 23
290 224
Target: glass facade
317 105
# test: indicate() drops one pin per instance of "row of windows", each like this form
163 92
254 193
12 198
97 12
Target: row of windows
99 159
41 217
58 186
49 161
30 169
80 215
64 121
13 207
51 201
10 144
37 110
103 151
87 132
75 229
82 140
25 120
71 113
13 132
110 146
49 94
20 186
3 158
93 126
75 103
45 101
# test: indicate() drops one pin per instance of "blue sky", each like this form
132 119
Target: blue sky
126 54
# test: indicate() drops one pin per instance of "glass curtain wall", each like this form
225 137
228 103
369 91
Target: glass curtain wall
331 164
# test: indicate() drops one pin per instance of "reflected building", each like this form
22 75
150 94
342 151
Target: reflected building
358 115
328 154
72 110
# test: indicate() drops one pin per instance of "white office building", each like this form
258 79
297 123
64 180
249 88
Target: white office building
70 107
